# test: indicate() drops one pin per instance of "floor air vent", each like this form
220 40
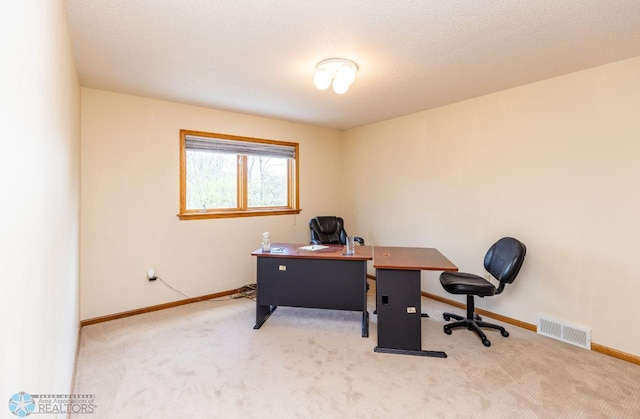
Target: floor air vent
579 336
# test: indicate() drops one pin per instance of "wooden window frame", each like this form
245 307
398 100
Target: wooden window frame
293 193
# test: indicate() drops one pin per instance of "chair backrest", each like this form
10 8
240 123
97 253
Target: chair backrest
504 260
327 230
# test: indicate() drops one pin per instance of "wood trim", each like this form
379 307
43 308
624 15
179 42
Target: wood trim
183 174
500 317
221 136
294 178
532 327
634 359
242 183
615 353
293 191
155 308
234 214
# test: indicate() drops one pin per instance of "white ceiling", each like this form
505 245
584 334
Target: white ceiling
258 56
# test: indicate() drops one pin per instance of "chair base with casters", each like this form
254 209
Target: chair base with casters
503 261
472 322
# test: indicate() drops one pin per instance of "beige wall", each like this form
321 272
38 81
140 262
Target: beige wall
39 215
553 163
130 198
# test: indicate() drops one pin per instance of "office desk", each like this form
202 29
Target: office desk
398 296
324 278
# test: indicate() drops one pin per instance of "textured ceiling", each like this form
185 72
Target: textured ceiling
258 56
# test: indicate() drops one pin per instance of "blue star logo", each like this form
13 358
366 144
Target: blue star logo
22 404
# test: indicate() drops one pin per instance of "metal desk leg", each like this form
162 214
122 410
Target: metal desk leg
365 324
262 314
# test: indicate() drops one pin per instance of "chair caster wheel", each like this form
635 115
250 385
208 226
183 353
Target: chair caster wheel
447 331
446 317
478 318
486 342
505 333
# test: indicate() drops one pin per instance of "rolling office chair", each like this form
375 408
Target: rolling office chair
329 230
503 262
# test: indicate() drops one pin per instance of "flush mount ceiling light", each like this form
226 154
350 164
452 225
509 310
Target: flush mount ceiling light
338 72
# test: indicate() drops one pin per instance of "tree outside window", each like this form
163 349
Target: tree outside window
230 176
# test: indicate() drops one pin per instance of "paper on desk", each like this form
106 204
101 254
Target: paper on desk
314 247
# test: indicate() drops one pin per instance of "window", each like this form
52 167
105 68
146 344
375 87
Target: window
229 176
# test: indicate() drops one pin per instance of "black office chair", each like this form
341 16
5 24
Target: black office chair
503 261
329 230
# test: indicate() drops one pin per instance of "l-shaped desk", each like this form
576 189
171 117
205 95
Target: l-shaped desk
298 275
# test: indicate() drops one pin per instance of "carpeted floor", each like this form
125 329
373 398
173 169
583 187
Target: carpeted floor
205 360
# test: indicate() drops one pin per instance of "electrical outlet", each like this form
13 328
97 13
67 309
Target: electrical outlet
151 274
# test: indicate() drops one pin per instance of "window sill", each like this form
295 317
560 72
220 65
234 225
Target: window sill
235 214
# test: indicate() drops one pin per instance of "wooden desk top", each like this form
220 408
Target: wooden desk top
411 258
334 251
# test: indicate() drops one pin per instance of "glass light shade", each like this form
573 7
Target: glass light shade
347 74
339 86
337 71
322 79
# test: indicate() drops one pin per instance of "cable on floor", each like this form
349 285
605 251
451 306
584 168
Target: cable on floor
246 291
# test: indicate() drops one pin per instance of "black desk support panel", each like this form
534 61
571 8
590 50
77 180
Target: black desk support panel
398 297
323 278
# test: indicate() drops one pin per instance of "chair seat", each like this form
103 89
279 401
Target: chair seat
465 283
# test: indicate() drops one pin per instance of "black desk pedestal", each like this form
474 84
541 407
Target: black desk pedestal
398 305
